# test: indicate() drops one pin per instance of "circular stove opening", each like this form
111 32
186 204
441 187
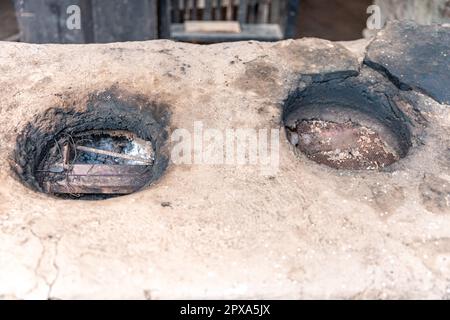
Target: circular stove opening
347 126
114 147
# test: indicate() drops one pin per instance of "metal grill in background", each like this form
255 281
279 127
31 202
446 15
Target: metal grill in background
245 11
264 20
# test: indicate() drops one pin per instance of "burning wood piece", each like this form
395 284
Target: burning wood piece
97 179
66 154
98 162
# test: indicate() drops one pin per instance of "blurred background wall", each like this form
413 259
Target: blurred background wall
8 24
421 11
327 19
336 20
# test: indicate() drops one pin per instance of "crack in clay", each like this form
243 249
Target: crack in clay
38 274
391 77
38 263
383 70
55 265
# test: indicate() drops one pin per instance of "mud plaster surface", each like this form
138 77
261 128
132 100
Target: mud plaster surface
222 231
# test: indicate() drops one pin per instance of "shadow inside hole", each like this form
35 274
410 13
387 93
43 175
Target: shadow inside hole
107 120
346 125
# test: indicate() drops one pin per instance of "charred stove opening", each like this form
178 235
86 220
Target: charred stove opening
346 124
114 146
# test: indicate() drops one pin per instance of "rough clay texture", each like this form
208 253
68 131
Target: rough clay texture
222 231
